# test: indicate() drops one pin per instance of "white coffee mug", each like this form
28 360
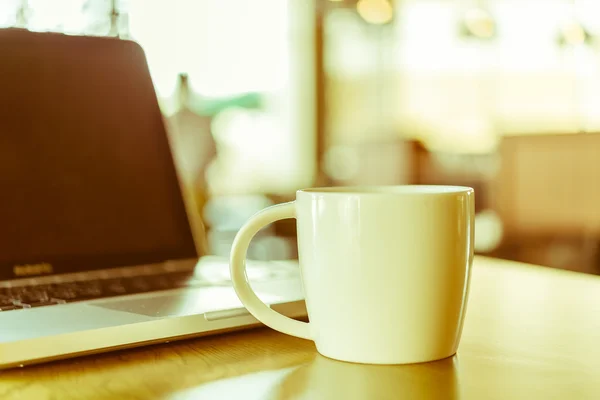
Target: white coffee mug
385 270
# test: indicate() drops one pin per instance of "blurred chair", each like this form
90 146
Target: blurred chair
547 193
464 169
437 168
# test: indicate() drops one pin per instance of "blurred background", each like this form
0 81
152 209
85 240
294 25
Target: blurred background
265 97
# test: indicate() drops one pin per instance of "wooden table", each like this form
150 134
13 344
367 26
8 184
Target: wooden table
530 333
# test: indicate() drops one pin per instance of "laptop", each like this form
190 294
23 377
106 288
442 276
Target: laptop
98 246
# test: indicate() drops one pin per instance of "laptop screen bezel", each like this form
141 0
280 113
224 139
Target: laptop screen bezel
185 213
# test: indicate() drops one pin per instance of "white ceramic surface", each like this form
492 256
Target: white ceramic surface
385 270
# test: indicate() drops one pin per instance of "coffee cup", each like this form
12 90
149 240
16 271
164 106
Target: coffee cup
385 270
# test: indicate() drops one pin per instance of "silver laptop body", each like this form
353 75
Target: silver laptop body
99 245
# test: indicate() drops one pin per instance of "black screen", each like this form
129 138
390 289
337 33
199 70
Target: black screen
87 179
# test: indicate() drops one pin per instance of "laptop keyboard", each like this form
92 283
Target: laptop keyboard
17 298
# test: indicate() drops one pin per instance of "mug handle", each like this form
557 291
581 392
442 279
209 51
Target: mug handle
237 266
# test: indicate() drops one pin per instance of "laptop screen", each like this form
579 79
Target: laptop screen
87 179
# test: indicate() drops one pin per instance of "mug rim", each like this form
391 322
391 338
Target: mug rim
389 190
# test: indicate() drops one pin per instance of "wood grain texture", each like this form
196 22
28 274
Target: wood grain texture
530 333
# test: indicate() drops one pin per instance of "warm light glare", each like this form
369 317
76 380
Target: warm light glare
60 15
8 13
488 231
341 162
480 23
376 12
224 53
573 33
